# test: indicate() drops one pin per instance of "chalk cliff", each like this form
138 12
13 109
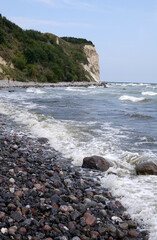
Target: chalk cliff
93 63
29 55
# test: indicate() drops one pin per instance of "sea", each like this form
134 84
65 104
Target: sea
118 123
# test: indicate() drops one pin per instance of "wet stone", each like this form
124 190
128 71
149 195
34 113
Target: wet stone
23 230
75 215
111 228
47 228
27 222
18 193
44 197
132 224
123 226
89 219
103 212
121 234
102 230
133 233
12 230
17 216
76 238
43 140
2 214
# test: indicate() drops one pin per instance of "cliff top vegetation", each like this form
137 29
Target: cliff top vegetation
43 57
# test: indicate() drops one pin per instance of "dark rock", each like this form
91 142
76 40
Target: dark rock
132 224
72 225
17 216
44 197
96 162
75 215
11 206
123 226
102 230
120 234
111 228
146 168
94 235
133 233
43 140
27 222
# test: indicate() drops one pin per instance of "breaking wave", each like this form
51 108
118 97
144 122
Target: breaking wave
35 90
149 93
133 99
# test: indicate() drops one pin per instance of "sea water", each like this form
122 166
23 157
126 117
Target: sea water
118 123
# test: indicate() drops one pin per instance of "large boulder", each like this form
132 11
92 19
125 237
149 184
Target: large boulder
96 162
146 168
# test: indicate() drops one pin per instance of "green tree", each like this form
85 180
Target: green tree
31 70
2 36
19 61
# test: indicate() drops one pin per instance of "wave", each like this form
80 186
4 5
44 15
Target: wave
149 93
138 115
138 194
152 86
135 193
133 99
130 84
74 89
35 90
92 87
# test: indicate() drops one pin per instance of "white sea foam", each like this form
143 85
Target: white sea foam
35 90
152 86
149 93
132 98
77 140
135 192
75 89
90 87
130 84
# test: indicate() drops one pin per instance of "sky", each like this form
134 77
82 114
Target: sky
124 32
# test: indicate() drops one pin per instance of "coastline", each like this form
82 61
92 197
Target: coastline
6 84
46 197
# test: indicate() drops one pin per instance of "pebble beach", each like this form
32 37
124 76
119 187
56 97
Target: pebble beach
43 196
11 83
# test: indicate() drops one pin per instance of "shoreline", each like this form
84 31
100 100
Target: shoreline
5 84
44 196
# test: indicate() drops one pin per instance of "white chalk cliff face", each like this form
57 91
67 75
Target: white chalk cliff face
93 63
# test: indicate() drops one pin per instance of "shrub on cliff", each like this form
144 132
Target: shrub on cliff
2 36
44 57
19 61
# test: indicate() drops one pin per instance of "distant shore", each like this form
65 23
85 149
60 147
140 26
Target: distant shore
6 84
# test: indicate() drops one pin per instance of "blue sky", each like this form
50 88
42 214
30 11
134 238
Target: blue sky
124 32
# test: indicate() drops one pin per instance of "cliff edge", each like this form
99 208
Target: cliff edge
28 55
93 63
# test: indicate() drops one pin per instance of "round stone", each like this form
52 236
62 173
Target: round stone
12 180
